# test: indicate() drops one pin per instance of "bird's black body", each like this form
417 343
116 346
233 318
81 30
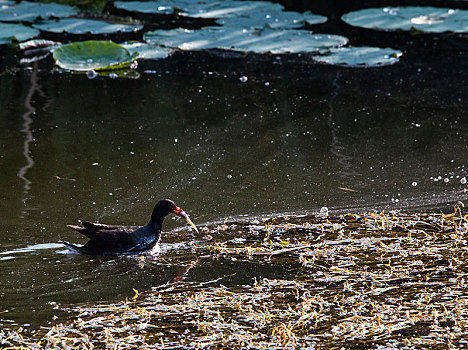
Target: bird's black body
111 240
114 240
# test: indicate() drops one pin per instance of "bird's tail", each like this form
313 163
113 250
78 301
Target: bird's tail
72 247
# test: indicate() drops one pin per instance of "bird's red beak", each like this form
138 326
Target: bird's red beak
183 214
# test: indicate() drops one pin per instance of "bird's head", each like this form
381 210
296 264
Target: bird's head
166 206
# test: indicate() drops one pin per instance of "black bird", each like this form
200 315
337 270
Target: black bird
114 240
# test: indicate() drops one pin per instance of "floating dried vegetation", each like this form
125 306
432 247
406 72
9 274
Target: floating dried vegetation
376 280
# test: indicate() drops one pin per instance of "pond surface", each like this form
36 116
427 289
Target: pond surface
228 138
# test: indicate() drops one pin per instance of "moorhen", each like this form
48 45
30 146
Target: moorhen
115 240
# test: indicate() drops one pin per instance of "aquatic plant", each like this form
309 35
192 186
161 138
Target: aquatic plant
377 278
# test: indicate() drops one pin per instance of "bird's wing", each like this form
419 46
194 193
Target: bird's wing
102 231
97 227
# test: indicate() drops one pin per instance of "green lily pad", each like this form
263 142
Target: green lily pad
426 19
85 26
232 8
17 31
6 3
246 40
30 11
149 7
145 51
93 55
273 20
200 9
184 39
228 12
35 50
360 56
287 41
37 44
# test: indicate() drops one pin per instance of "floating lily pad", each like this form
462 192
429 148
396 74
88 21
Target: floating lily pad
287 41
200 9
145 51
149 7
17 31
85 26
232 8
37 44
184 39
93 55
228 12
274 20
360 56
6 3
249 40
426 19
30 11
35 50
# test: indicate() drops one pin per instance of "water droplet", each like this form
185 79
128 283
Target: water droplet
463 180
94 164
229 176
414 183
113 75
110 193
91 74
324 211
243 79
446 180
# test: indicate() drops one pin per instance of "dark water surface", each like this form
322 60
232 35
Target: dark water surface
293 138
